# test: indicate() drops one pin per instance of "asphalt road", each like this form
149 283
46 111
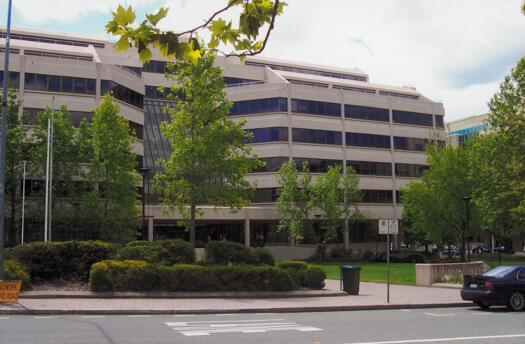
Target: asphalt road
436 325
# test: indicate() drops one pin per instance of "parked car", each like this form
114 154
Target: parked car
499 248
479 249
503 286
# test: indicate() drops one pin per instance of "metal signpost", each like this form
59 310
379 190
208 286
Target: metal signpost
388 227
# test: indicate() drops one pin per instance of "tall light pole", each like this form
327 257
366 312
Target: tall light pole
3 133
467 202
49 175
23 203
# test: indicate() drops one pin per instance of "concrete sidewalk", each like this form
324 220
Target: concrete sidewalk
371 296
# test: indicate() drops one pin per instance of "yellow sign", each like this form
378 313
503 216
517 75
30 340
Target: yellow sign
9 291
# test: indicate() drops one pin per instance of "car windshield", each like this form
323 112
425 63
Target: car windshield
500 271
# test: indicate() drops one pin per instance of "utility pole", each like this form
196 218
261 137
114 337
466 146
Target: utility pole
49 174
3 134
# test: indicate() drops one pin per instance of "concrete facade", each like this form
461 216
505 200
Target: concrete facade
325 115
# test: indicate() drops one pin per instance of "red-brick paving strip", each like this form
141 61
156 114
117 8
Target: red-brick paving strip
371 296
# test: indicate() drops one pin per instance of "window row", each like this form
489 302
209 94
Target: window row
58 56
229 81
306 71
400 95
367 140
415 118
270 195
58 83
13 79
367 113
76 117
308 83
153 92
122 93
316 108
51 40
154 66
355 89
272 164
269 134
326 137
316 165
371 168
410 170
259 106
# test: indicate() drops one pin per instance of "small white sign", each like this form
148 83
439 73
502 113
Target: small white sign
386 226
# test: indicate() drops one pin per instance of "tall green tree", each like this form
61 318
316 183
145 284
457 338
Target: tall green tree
295 203
66 167
435 204
16 152
498 160
210 157
112 206
184 45
336 194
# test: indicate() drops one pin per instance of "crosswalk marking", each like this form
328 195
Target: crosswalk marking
440 314
4 318
206 328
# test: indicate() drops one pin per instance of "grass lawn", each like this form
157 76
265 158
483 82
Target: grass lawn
400 273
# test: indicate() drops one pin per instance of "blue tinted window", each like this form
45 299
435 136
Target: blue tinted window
283 104
29 81
415 118
259 106
67 84
41 82
90 86
269 134
254 106
54 83
316 136
367 140
274 104
366 113
244 109
79 85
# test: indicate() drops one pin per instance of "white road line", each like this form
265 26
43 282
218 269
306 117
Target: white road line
441 314
433 340
206 328
93 316
46 317
226 315
4 318
217 322
140 316
183 315
405 310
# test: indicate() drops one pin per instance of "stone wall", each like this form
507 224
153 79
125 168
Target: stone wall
427 274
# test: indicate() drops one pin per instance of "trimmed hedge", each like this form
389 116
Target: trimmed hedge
264 256
68 260
304 276
129 275
165 252
293 264
14 271
407 257
227 252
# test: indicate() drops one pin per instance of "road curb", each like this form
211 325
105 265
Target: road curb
181 295
240 310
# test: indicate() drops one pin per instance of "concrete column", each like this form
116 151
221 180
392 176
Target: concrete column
247 232
150 228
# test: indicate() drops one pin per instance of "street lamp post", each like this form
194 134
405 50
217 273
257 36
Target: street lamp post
143 171
467 202
320 237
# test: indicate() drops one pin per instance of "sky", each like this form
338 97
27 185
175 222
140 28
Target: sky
456 52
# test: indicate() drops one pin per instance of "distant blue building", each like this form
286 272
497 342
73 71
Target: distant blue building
460 131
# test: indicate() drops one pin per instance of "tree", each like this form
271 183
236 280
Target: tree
210 157
112 205
498 160
295 202
66 166
334 195
16 152
185 45
435 204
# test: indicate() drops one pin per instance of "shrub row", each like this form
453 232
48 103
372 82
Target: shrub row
128 275
14 271
303 276
226 252
68 260
164 252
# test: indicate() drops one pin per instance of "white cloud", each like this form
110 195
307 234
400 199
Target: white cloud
42 11
456 51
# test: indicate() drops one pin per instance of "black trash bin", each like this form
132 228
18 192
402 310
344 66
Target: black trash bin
349 280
